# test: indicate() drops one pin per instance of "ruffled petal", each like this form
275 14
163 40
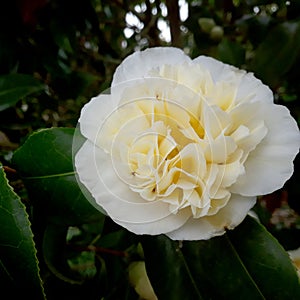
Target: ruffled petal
207 227
218 70
252 89
271 163
249 88
94 114
125 207
138 64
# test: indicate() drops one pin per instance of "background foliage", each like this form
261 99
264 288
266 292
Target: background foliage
54 56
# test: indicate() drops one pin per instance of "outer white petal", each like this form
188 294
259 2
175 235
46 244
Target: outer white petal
218 70
207 227
94 113
125 207
138 64
271 163
251 88
248 86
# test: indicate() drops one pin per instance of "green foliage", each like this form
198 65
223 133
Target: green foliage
45 163
13 87
273 65
266 261
81 247
231 53
247 263
19 270
54 56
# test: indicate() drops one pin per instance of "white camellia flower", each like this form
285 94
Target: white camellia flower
183 147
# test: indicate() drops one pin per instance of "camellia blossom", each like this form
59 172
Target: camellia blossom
183 147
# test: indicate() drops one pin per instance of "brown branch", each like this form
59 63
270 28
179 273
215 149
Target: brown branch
174 22
150 22
9 170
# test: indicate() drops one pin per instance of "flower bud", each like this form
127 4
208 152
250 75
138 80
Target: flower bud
216 34
206 24
140 281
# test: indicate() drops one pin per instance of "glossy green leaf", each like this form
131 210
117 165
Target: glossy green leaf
14 87
44 162
246 263
277 53
231 53
168 271
266 261
19 271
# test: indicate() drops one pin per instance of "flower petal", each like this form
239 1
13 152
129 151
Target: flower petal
125 207
206 227
248 86
94 114
138 64
271 163
218 70
252 89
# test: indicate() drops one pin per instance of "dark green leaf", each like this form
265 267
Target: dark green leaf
255 27
231 53
277 53
45 163
168 271
19 271
247 263
63 35
54 251
120 239
266 261
14 87
83 264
